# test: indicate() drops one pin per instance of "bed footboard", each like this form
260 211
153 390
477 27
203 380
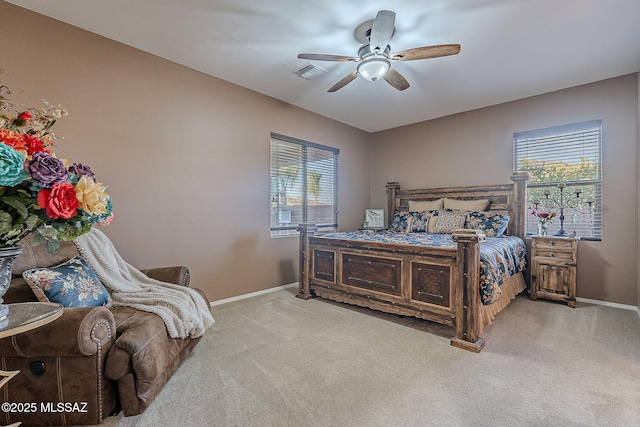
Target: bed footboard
435 284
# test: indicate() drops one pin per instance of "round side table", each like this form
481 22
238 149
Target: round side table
23 317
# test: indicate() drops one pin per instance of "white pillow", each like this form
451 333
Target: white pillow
425 205
466 205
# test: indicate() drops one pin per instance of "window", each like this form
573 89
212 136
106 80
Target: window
304 178
570 154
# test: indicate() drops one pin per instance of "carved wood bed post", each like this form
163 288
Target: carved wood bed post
467 298
392 187
520 195
306 231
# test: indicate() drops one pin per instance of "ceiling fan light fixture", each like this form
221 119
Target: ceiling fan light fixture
375 57
374 67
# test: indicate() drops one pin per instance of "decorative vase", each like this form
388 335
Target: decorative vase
7 256
542 229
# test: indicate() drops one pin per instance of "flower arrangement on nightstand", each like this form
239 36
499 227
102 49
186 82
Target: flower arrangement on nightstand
544 219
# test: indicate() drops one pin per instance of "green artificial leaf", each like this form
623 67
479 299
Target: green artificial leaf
16 203
26 194
6 222
17 123
38 238
73 231
49 233
14 234
32 222
13 241
53 246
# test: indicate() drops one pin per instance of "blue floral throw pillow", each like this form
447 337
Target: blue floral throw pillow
72 284
493 224
401 221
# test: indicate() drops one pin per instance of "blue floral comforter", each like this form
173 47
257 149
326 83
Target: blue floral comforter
500 257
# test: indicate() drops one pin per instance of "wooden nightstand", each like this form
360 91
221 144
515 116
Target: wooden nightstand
553 268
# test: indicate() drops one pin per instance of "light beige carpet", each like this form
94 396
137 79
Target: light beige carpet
275 360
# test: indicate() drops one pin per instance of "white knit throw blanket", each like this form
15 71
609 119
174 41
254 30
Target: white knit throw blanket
184 311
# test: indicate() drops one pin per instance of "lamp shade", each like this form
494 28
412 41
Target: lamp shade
374 67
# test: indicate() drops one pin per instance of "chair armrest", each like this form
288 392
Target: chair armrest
79 331
178 275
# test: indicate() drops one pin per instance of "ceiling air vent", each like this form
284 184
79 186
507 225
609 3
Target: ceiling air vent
309 71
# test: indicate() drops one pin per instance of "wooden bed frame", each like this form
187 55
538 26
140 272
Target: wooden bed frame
436 284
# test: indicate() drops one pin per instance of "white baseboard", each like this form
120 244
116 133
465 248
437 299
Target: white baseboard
609 304
253 294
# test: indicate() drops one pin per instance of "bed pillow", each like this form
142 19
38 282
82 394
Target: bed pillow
491 223
433 221
72 284
400 221
425 205
411 222
466 205
420 221
448 222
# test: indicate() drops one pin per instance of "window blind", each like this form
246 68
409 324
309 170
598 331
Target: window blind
304 178
569 154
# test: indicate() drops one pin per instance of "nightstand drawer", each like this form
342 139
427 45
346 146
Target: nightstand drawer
554 260
553 253
553 244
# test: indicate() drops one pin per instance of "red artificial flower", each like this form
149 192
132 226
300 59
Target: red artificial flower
60 201
544 216
25 116
33 144
13 139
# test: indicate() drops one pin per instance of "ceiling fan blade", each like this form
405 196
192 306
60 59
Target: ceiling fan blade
323 57
425 52
342 83
382 30
396 80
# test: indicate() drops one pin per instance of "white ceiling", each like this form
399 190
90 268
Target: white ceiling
511 49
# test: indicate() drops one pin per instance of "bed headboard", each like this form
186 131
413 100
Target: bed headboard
505 199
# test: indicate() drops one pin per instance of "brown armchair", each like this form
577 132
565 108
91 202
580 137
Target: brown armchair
102 359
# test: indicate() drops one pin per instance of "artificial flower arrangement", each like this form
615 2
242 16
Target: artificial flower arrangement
544 217
39 192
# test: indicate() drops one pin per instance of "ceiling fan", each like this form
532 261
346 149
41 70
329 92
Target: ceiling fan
374 58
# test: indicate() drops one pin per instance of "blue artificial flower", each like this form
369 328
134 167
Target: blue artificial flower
11 166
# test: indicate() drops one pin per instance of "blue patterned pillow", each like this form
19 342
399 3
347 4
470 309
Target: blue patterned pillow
72 284
420 220
410 222
493 224
400 221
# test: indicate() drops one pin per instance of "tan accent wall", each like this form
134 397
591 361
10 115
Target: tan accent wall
185 155
476 147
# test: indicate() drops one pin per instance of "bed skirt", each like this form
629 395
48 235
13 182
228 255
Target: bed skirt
510 289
